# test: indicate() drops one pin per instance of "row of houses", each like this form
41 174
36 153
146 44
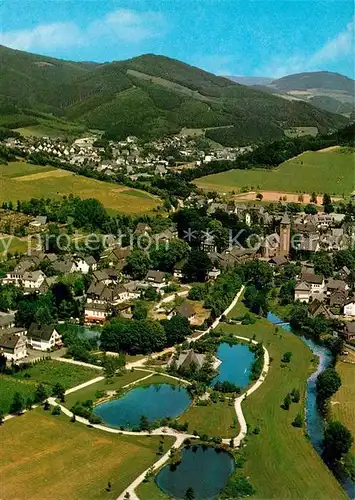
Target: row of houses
14 341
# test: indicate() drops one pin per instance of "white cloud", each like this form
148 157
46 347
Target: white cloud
56 35
122 25
130 26
335 49
218 64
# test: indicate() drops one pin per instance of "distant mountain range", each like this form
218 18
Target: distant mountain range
325 90
147 96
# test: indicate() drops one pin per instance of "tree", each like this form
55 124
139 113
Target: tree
286 358
327 384
313 197
295 394
140 310
46 405
197 266
189 495
298 420
323 264
3 363
259 196
1 416
336 443
59 391
18 405
56 410
176 329
138 264
29 404
327 204
40 393
144 423
287 402
310 209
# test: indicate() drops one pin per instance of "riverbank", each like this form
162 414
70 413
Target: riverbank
280 460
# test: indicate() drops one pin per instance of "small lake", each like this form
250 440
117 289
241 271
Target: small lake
155 401
206 471
236 364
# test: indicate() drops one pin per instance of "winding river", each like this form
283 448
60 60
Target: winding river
314 419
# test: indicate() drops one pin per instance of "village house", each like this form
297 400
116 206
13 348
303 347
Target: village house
156 279
142 229
12 346
214 273
302 292
43 337
349 332
86 265
101 277
185 310
65 266
349 306
118 256
187 360
337 298
315 281
39 221
95 312
317 308
7 320
178 269
336 286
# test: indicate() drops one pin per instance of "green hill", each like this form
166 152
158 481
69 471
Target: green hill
147 96
325 80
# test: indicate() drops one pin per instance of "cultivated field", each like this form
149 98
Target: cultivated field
22 181
49 457
323 172
343 402
49 372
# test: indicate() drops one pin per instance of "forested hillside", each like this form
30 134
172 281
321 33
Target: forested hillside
147 96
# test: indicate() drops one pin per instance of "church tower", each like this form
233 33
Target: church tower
285 235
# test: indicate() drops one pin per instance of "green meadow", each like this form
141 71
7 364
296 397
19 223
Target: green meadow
330 172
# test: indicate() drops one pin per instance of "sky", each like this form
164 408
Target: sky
269 38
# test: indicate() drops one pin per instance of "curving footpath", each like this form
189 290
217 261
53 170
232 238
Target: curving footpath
238 401
166 431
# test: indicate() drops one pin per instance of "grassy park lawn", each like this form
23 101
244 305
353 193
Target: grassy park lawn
343 402
22 181
216 419
323 172
49 457
150 491
280 461
115 384
49 372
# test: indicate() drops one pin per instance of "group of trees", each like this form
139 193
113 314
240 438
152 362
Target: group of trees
41 393
143 335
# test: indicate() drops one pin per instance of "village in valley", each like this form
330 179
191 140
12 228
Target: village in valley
177 251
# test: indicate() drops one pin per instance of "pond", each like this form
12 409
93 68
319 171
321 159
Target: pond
205 470
155 401
236 364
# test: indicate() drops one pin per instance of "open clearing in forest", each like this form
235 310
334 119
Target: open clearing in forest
23 181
